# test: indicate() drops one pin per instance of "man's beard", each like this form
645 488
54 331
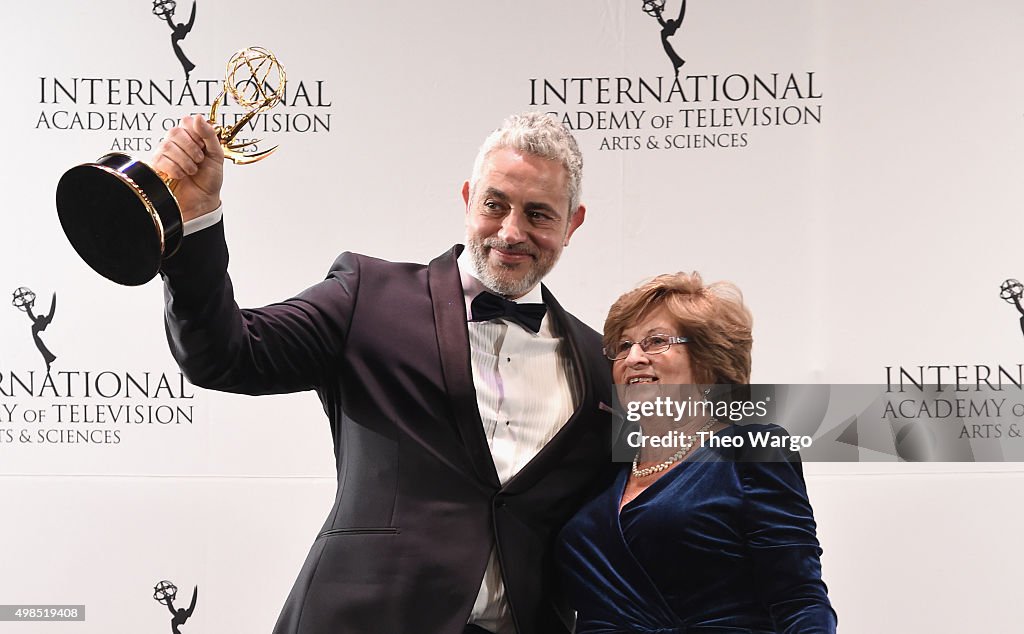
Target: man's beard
498 278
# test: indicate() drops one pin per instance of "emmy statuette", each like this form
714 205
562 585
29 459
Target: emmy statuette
120 214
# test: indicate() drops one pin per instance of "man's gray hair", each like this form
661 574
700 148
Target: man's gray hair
536 133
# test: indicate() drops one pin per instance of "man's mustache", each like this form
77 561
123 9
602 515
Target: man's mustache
518 249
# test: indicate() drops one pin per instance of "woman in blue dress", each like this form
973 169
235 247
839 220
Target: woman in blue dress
692 538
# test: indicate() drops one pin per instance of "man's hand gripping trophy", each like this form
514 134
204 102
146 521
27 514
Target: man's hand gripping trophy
193 153
124 218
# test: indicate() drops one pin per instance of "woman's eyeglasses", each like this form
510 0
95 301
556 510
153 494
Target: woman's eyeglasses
651 344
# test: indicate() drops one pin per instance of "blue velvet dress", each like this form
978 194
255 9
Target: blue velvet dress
718 544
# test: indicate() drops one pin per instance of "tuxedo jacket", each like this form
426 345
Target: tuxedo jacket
418 505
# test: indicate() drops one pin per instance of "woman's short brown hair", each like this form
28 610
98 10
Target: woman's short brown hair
713 317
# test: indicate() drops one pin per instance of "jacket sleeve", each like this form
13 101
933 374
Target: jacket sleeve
284 347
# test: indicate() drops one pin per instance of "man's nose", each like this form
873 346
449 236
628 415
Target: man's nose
513 228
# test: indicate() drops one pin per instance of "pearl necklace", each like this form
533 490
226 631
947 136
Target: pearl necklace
661 466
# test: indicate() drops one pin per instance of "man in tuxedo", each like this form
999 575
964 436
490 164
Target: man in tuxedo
466 406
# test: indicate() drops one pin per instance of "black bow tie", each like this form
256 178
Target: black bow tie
487 306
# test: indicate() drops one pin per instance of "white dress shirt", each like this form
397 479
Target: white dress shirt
525 396
202 222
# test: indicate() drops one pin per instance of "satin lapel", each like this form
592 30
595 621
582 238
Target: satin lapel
580 367
585 369
453 341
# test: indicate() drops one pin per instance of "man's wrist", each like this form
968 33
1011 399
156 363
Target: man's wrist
202 222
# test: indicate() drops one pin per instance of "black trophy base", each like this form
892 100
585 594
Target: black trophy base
120 217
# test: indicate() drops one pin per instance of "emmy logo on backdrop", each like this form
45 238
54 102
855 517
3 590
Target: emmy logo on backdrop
1011 291
120 214
24 300
165 592
655 9
164 9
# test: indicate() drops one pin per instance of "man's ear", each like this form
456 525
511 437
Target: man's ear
574 223
465 194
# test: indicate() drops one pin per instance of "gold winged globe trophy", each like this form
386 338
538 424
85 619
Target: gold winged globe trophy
120 214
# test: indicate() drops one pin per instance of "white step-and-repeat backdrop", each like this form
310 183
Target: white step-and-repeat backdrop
855 167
